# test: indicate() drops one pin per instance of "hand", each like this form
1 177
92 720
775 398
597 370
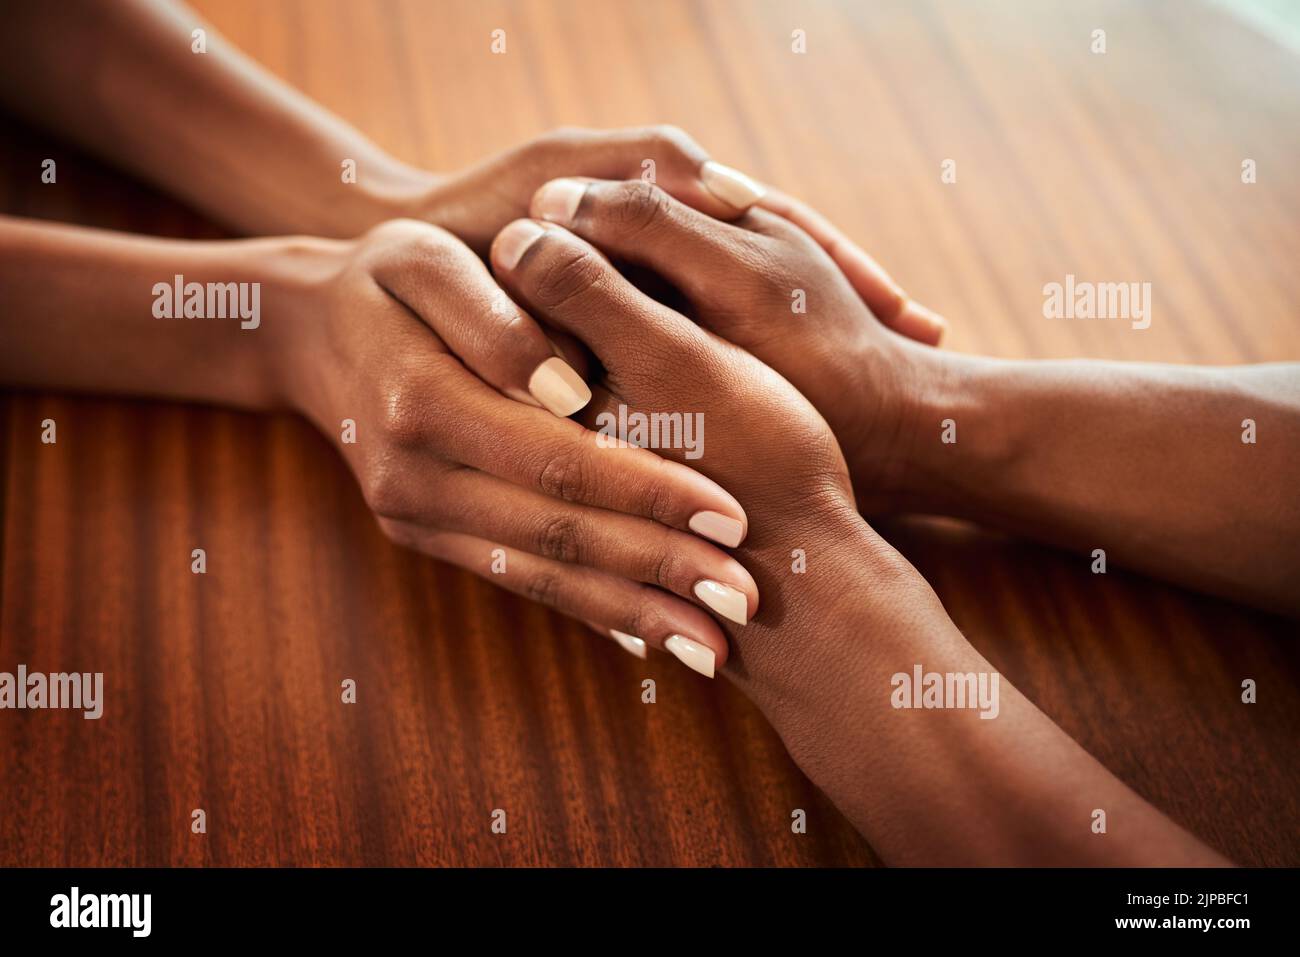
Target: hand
746 282
822 657
478 202
763 440
405 333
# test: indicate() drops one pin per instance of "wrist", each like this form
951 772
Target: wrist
833 594
822 667
890 387
950 442
393 190
297 273
380 187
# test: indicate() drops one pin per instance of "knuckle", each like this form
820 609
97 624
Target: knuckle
563 136
506 341
397 230
667 138
561 538
553 151
404 415
385 493
666 567
567 276
566 476
407 234
637 206
658 500
542 150
544 588
403 246
645 618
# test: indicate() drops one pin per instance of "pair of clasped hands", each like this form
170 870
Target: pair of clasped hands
486 409
459 337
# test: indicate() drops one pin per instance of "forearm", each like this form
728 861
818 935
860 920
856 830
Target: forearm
1145 462
214 128
84 310
925 785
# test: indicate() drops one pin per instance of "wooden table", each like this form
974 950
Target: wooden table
224 688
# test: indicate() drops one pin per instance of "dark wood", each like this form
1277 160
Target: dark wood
224 689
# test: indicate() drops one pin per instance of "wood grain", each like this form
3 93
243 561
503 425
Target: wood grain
225 688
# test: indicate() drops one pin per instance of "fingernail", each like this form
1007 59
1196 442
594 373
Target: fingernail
555 385
515 240
718 527
631 643
725 600
731 185
692 654
558 200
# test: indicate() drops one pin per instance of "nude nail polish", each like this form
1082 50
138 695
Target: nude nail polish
556 386
558 200
730 185
630 643
692 654
515 240
728 602
717 527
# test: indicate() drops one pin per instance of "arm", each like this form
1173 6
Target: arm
214 129
357 337
1145 461
930 787
79 313
924 785
221 132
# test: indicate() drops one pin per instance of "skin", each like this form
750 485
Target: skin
137 75
912 781
820 658
1143 460
359 330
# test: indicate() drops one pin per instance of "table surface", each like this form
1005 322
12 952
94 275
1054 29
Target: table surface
224 688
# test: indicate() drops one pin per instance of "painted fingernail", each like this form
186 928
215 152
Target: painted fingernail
692 654
731 185
631 643
718 527
555 385
725 600
558 200
515 240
